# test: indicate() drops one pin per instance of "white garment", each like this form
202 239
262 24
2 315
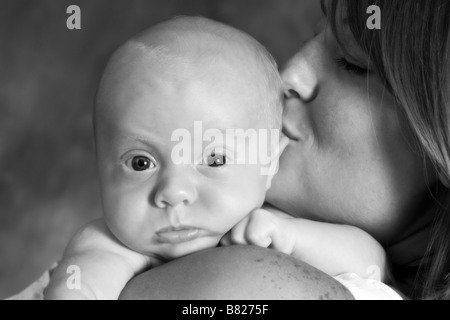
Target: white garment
367 289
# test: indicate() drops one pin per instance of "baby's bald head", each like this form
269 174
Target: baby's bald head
181 49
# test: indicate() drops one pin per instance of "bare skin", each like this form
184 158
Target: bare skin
349 162
238 273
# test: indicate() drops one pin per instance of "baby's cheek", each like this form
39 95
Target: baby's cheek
123 213
227 205
115 219
253 191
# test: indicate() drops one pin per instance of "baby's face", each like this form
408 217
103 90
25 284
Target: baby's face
153 203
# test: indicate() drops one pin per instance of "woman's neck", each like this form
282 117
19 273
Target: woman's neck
411 245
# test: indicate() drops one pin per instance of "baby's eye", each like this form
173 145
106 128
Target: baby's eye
216 159
141 163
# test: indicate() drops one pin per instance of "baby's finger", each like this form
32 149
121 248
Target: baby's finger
281 244
259 231
238 232
226 239
279 233
262 241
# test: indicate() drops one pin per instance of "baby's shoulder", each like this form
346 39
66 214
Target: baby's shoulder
96 236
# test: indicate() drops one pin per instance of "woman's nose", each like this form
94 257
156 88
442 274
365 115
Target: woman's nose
302 73
302 83
300 78
175 188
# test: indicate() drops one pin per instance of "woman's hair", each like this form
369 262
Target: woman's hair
411 54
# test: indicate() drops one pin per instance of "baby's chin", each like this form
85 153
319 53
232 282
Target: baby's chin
169 251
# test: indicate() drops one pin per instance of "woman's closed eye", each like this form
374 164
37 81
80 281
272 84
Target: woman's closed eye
344 64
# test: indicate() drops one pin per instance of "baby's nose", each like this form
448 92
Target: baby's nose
175 188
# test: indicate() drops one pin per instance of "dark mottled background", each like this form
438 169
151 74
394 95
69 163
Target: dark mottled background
48 79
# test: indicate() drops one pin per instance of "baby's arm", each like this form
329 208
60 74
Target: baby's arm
331 248
105 266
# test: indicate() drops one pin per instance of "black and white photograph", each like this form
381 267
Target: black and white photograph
244 152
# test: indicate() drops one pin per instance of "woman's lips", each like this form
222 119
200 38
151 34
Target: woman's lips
285 132
177 234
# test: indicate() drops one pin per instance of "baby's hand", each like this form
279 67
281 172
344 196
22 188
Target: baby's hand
265 229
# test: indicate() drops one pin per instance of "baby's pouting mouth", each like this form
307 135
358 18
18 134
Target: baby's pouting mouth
177 234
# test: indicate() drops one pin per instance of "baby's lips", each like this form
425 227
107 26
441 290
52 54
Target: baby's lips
177 235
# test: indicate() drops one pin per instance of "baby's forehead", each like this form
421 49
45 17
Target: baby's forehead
158 58
198 52
195 39
177 56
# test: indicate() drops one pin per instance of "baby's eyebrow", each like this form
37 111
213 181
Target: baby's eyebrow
142 139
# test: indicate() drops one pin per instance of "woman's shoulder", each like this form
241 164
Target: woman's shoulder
235 272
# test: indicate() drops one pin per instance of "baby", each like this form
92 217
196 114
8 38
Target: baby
162 201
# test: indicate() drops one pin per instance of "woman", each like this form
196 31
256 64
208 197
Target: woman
368 116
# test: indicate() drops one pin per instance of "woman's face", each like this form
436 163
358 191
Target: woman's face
350 159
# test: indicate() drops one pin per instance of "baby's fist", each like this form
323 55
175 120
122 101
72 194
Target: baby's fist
261 228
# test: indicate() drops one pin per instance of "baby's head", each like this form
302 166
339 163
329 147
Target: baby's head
174 118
